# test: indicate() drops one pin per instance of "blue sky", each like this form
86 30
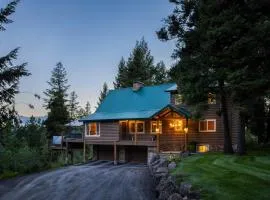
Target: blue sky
88 36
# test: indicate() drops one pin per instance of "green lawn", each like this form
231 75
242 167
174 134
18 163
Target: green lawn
228 176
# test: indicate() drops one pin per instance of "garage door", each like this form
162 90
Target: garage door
105 152
136 154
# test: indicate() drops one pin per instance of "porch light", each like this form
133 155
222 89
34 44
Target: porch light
186 130
157 130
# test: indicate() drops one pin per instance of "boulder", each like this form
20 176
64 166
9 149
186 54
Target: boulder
159 163
154 158
162 170
175 196
166 188
185 189
172 165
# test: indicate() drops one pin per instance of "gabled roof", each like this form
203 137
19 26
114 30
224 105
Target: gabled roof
125 103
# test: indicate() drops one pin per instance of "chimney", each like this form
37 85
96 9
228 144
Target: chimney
137 85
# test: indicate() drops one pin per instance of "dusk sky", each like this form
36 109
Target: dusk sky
88 36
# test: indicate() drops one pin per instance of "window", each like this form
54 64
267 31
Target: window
178 99
208 125
136 126
179 125
156 127
212 98
93 129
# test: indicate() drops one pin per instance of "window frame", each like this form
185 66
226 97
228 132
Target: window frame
212 100
175 99
88 129
160 127
136 126
207 130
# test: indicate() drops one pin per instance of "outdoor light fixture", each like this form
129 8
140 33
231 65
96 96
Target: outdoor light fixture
186 130
157 130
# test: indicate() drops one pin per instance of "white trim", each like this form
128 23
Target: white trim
207 120
160 127
136 122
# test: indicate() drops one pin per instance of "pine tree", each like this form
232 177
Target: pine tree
140 67
160 74
73 106
103 93
10 73
87 108
57 102
219 46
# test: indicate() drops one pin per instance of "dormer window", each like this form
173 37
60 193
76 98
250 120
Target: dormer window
178 99
212 98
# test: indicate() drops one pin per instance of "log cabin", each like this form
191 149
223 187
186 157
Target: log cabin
132 124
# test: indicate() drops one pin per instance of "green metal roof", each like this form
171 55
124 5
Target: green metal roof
125 103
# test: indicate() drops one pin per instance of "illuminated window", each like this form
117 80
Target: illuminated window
136 126
178 99
178 125
156 127
93 129
202 148
208 125
211 98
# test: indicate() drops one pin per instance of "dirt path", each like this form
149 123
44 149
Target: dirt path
96 181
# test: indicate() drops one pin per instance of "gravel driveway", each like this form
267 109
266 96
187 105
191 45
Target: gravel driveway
99 180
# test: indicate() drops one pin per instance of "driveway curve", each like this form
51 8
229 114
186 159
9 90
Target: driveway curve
100 180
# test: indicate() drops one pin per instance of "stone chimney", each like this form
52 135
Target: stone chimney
137 85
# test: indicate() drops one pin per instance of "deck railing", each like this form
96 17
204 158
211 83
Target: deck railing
138 136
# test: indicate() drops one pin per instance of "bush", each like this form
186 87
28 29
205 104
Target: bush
192 146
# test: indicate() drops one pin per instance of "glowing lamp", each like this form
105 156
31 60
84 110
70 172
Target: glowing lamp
186 130
157 130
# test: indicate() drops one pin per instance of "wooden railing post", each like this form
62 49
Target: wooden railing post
135 132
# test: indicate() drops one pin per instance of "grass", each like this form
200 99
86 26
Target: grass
228 176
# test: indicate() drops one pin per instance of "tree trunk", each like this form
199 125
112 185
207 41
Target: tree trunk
268 127
241 135
227 134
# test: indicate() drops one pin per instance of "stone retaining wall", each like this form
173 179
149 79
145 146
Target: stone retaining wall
166 186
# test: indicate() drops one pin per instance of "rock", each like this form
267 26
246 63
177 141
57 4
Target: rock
185 189
175 196
166 188
154 158
162 170
160 163
185 198
172 165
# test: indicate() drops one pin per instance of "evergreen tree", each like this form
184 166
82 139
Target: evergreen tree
73 106
219 46
160 74
10 73
103 93
140 67
83 112
121 74
87 108
56 101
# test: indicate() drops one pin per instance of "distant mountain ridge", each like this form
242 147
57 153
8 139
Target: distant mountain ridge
24 119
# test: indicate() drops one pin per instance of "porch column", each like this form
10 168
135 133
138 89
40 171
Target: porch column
186 131
158 134
114 153
135 132
84 142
